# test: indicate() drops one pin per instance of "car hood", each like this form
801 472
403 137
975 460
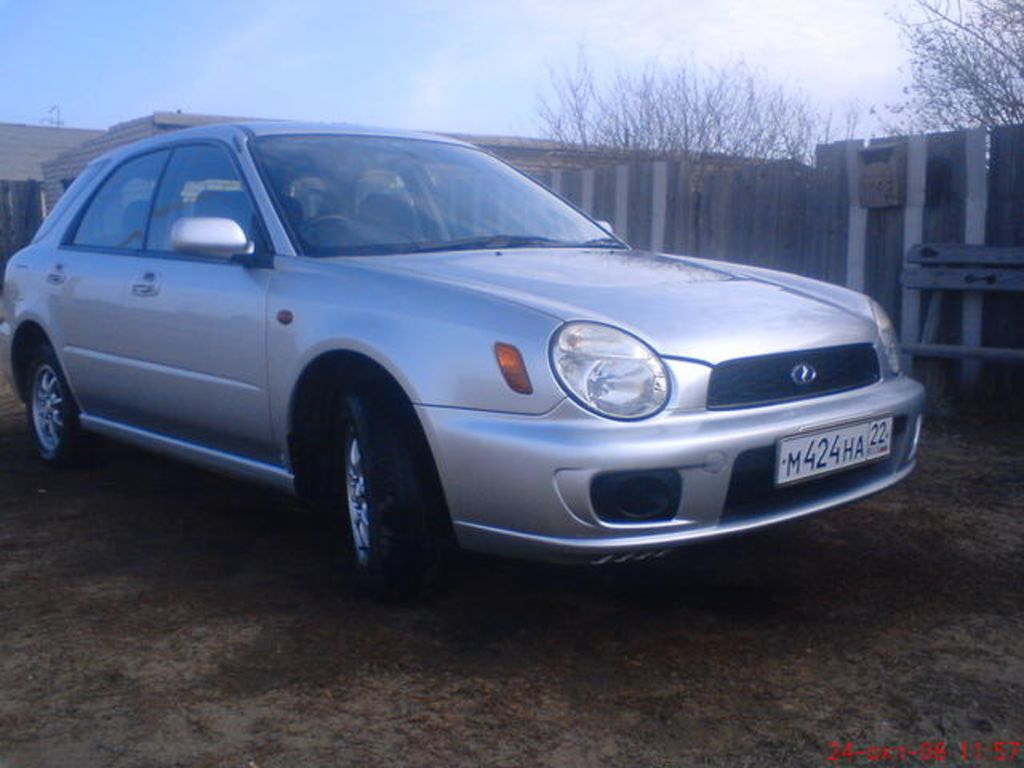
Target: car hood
687 308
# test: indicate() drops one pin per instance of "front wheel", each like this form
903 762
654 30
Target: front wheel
51 410
394 518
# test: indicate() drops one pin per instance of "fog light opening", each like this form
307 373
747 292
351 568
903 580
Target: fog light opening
637 497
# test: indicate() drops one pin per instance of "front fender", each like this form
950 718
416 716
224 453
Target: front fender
436 340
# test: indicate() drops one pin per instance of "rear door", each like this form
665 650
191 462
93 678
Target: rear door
194 327
87 282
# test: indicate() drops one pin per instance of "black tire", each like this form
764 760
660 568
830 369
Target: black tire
399 547
51 410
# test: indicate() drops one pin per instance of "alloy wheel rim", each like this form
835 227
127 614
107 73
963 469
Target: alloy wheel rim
358 505
48 408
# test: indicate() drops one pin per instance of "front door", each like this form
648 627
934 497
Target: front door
195 327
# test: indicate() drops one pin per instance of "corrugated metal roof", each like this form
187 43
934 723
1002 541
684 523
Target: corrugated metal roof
24 148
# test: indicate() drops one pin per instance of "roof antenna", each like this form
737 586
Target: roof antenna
53 116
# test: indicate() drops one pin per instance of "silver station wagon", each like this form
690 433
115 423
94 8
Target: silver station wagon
439 351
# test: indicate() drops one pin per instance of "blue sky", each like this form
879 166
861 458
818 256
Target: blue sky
448 65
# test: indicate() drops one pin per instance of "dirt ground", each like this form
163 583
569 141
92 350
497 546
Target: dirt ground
155 615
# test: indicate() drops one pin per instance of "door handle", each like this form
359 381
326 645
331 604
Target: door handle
146 285
56 275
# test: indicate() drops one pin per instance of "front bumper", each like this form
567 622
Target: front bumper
520 485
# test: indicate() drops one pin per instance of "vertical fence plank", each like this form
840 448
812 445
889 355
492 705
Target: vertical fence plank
828 211
572 185
640 205
672 206
556 181
1006 187
705 190
716 210
620 216
1005 226
746 224
883 248
946 188
587 191
684 211
943 223
794 253
855 255
604 195
913 230
883 251
659 205
975 204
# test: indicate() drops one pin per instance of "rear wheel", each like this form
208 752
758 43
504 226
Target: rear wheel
51 409
393 517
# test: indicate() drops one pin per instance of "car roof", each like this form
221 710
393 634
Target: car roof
234 131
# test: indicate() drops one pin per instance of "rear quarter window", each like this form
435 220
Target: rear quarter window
71 196
116 215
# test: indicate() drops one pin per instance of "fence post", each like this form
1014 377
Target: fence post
975 208
913 231
856 259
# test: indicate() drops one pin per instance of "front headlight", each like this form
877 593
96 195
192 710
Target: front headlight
887 333
608 371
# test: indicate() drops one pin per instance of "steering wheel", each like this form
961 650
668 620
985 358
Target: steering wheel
329 229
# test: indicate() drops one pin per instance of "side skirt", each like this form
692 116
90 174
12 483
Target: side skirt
209 458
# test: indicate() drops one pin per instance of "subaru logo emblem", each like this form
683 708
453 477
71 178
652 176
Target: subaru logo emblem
803 374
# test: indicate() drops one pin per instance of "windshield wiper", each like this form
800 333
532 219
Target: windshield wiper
604 242
486 242
483 242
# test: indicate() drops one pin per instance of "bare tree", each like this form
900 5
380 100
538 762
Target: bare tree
682 109
967 64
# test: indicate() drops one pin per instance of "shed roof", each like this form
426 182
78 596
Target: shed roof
24 148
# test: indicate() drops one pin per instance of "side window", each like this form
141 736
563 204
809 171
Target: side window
73 190
200 181
116 217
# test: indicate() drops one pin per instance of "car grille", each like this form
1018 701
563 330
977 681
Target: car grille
767 379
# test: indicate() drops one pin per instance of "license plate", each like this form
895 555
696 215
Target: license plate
817 453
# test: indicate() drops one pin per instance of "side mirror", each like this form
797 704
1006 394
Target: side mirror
208 236
606 226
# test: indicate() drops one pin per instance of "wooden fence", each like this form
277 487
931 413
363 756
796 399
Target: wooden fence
850 219
21 210
782 215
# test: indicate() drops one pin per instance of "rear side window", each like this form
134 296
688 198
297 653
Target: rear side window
200 181
116 216
73 190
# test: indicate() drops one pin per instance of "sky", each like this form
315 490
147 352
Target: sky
444 65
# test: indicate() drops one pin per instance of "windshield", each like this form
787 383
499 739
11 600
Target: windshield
355 195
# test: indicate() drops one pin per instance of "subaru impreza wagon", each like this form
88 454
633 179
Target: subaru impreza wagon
439 349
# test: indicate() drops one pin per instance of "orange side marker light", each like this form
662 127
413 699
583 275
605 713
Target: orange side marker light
510 361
